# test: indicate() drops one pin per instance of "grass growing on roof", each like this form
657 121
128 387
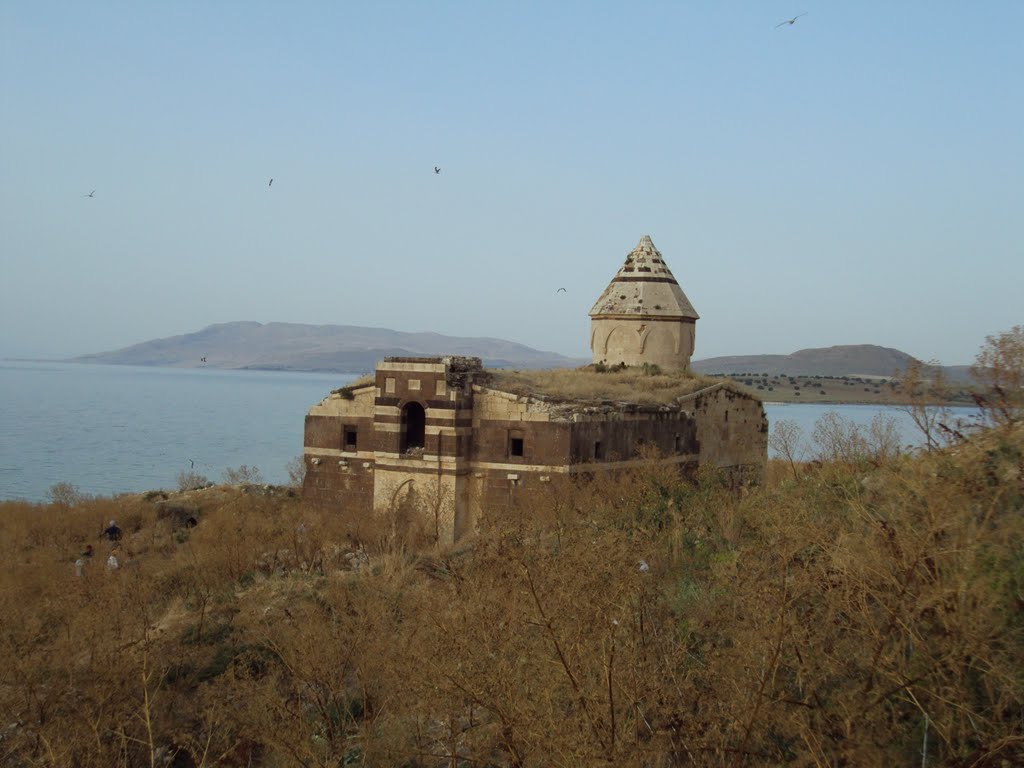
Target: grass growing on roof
349 388
634 384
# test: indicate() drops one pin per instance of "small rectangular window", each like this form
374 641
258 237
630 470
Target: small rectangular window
350 438
598 450
515 446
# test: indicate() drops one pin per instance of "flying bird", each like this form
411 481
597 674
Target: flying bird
792 21
271 183
202 359
560 290
91 194
436 169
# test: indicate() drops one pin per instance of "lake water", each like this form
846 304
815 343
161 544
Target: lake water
805 415
110 429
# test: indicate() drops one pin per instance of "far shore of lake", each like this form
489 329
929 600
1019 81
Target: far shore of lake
839 390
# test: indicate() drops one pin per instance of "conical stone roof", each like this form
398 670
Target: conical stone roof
644 287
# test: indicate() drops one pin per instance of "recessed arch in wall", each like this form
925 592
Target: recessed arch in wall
413 427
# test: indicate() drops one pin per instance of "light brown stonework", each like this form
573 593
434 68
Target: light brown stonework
643 316
433 430
482 448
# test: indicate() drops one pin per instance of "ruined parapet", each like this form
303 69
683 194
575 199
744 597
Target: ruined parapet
461 370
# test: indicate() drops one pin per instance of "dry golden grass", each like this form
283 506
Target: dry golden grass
634 385
846 613
362 381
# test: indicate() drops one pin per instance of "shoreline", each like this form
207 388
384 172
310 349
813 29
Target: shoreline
869 403
777 398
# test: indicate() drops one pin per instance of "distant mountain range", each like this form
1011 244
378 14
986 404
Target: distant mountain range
356 349
326 348
846 360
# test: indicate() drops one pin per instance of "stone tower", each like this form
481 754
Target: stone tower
643 316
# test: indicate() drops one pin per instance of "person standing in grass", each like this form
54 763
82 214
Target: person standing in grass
112 532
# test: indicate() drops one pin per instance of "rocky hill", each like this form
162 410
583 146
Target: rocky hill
844 360
327 348
356 349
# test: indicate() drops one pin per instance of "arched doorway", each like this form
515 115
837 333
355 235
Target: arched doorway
414 427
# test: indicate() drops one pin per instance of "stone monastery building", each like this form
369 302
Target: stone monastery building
468 442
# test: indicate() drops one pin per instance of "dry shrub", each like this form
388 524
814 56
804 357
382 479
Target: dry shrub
635 619
296 469
64 494
999 370
88 659
927 390
841 440
190 480
243 475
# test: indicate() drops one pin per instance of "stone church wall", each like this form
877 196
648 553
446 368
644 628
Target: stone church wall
635 341
486 449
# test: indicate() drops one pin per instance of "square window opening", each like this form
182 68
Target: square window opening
351 438
515 446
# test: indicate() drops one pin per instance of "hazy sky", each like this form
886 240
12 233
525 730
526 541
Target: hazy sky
857 177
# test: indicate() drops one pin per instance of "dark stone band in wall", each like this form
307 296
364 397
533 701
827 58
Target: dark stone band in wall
409 466
678 318
432 421
447 405
645 279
